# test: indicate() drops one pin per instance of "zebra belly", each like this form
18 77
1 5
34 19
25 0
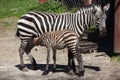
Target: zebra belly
60 46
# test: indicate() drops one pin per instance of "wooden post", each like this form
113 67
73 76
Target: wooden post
62 2
117 27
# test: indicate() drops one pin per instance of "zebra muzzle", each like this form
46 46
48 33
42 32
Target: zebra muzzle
103 32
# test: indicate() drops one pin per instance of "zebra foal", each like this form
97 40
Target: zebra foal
59 40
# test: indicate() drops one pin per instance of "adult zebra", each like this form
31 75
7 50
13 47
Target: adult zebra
36 23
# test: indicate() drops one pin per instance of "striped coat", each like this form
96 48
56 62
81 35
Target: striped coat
36 23
59 40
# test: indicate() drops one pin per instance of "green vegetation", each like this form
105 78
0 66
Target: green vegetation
17 8
51 6
73 10
115 58
92 29
10 8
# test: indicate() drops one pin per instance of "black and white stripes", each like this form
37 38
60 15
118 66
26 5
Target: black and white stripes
59 40
35 23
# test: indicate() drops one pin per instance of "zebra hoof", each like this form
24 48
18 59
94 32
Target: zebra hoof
25 69
71 72
45 72
81 73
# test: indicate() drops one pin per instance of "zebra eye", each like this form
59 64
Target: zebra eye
98 19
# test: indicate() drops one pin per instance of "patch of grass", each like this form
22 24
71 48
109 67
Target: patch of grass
115 58
74 9
51 6
10 8
92 29
17 8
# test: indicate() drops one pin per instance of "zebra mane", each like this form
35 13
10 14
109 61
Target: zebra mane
88 7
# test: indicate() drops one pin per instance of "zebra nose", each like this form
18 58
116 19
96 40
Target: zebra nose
103 32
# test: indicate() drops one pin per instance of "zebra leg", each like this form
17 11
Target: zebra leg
49 49
54 59
28 50
69 60
33 61
80 64
71 64
21 52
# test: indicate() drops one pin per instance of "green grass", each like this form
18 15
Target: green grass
10 8
93 28
51 6
17 8
115 58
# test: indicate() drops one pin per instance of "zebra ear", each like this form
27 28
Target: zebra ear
106 7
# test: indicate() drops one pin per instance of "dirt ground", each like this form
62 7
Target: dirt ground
98 65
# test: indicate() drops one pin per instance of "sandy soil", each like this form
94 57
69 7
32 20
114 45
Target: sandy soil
98 65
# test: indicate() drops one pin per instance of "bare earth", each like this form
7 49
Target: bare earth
98 65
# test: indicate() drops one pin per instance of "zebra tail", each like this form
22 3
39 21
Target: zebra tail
17 34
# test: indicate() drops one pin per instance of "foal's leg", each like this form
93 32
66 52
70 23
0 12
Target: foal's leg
54 59
49 50
71 64
80 64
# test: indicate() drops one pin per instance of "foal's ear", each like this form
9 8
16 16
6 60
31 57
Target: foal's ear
36 41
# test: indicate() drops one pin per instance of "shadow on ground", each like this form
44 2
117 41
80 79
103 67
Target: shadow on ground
59 68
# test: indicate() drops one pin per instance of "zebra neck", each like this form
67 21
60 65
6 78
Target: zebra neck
86 13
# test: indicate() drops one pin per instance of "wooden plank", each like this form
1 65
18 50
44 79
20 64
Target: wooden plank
117 27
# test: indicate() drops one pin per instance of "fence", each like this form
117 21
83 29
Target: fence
78 3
